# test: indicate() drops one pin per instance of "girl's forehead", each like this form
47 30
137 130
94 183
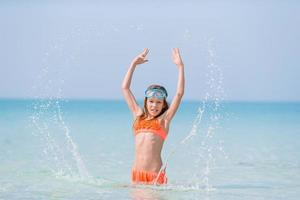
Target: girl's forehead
154 99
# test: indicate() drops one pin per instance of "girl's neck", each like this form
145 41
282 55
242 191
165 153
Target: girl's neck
150 117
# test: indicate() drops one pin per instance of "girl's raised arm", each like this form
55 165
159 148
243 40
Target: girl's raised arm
129 97
180 85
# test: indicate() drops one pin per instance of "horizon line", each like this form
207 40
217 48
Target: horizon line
121 99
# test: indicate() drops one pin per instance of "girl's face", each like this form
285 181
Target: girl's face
154 106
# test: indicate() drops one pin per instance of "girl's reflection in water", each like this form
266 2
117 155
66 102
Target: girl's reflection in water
145 194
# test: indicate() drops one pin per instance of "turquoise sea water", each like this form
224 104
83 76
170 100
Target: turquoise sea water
51 149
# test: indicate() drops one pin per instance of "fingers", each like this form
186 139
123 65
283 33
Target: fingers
176 51
145 52
176 57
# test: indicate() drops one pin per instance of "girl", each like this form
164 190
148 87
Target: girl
151 123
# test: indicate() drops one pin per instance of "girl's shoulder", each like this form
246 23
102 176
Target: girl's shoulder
138 114
162 118
164 122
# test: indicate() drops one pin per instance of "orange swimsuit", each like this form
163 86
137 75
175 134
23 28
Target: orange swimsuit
152 126
145 177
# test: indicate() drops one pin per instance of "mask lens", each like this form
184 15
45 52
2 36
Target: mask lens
159 95
149 93
155 93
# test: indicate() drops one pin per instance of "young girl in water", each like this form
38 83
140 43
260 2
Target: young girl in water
151 123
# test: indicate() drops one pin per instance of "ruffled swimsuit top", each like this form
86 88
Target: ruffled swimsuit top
152 126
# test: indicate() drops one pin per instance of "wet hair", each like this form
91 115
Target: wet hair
165 103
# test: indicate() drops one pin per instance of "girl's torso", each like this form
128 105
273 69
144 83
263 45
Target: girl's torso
149 138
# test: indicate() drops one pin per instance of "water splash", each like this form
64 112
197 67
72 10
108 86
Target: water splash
192 133
209 147
72 146
210 109
60 152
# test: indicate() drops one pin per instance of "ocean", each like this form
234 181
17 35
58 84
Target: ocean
84 149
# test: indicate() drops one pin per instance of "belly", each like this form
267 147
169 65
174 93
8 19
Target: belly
148 152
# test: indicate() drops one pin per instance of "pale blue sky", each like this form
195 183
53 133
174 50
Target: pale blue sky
82 49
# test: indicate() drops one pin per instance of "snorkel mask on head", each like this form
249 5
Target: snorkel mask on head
155 93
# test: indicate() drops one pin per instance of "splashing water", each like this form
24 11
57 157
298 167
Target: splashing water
205 160
59 149
192 133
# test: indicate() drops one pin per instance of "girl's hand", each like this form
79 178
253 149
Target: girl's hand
176 57
141 58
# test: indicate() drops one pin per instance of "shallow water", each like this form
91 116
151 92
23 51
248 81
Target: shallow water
84 150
